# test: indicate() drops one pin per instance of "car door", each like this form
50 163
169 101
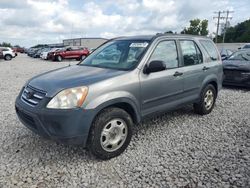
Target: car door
68 53
193 69
75 53
162 90
212 62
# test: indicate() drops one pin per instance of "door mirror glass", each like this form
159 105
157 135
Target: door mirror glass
154 66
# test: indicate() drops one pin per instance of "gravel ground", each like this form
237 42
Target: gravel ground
178 149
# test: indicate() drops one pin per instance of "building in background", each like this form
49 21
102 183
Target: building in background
84 42
59 45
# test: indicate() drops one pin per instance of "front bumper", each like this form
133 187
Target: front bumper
68 126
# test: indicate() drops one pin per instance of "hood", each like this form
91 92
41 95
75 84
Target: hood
236 64
72 76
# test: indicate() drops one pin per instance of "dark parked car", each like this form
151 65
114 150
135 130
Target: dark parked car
32 51
237 69
77 53
36 54
96 102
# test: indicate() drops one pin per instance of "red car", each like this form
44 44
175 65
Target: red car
70 53
17 49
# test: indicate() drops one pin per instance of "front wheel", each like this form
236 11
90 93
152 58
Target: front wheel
207 100
59 58
110 133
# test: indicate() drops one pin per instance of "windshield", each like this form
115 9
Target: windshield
118 54
240 55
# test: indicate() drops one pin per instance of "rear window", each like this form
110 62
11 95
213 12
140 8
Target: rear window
210 48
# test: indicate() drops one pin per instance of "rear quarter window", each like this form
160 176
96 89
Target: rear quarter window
210 49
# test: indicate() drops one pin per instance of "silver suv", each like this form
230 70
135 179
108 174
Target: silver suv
97 102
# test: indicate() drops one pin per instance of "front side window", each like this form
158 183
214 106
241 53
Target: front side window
166 51
191 53
118 54
211 49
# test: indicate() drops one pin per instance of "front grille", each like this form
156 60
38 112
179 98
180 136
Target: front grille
32 96
28 120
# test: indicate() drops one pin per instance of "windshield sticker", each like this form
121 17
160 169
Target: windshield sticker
138 45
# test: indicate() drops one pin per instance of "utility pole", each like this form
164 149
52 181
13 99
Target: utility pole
220 17
218 25
225 28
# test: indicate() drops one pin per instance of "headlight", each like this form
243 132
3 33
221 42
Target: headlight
69 98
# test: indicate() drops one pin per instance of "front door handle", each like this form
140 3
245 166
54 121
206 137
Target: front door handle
205 68
178 74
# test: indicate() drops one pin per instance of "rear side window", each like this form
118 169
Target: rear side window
210 48
166 51
191 53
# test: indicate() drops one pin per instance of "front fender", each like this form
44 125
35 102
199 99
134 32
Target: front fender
113 98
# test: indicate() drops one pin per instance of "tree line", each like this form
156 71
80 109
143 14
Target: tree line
237 33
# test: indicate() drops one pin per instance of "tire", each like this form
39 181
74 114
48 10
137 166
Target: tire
59 58
7 57
207 100
110 133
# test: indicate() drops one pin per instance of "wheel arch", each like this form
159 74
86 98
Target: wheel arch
213 81
123 103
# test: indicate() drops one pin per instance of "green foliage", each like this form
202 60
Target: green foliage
204 30
197 27
5 44
239 33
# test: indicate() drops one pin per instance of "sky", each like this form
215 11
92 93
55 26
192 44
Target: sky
29 22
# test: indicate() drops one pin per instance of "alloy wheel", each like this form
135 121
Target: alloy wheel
209 99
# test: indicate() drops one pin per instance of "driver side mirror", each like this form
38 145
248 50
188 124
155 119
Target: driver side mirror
154 66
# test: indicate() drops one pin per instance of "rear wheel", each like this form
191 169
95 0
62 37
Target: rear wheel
207 100
110 133
8 57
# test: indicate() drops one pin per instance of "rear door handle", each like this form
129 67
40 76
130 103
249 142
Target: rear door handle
178 74
205 68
